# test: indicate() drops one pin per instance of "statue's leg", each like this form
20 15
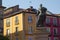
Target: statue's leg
42 20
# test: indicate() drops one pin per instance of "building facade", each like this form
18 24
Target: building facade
19 24
53 26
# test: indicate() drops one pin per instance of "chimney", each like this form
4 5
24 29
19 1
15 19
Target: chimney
1 10
0 2
1 7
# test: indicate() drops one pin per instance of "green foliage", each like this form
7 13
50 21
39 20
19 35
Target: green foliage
3 37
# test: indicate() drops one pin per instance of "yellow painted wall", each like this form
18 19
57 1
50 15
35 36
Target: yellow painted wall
23 26
13 27
27 25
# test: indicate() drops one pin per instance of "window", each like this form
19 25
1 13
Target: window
47 20
48 29
29 19
17 38
7 22
55 38
54 21
8 32
16 30
59 21
16 20
55 30
30 30
49 38
1 14
1 30
29 38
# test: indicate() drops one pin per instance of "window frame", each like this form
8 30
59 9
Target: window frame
59 21
8 32
30 28
55 21
16 31
55 31
8 22
48 29
30 38
49 38
29 19
47 20
55 38
16 20
17 38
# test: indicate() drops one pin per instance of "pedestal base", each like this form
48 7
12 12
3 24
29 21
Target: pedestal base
41 33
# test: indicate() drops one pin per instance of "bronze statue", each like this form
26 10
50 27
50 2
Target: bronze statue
41 16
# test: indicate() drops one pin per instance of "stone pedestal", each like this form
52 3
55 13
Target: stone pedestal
41 34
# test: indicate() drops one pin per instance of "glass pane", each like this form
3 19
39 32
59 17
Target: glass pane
55 38
55 31
8 31
54 21
17 38
48 29
47 20
29 38
16 20
30 30
30 19
8 22
49 38
16 31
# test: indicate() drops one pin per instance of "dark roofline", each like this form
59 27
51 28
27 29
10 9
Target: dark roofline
2 7
11 7
18 12
52 15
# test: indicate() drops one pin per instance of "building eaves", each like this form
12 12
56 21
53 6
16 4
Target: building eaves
48 13
18 12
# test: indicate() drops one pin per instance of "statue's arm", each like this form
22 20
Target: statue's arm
38 13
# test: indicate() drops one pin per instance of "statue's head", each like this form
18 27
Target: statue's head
43 9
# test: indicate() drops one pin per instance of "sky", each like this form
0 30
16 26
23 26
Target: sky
51 5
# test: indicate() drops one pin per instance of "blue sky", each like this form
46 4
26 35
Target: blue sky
51 5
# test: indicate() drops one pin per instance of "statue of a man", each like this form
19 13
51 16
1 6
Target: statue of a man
41 16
